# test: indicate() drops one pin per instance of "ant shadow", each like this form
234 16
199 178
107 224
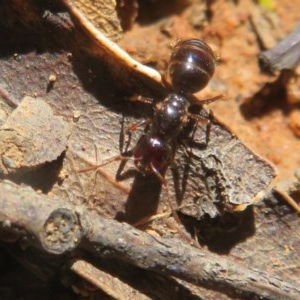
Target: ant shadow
227 229
187 143
224 232
220 234
271 97
143 199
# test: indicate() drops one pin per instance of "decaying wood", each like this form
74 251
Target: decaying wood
59 228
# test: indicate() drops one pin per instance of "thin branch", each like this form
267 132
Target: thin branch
285 55
58 228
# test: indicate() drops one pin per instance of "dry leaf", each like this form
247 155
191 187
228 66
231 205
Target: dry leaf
102 14
31 136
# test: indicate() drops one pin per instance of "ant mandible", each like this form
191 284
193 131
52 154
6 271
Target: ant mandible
191 66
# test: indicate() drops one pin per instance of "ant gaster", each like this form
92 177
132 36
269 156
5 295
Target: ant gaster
191 66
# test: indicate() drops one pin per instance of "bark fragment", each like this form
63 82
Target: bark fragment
111 239
31 136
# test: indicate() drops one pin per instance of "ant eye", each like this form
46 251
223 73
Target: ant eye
191 66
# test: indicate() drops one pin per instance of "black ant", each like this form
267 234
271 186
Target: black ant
191 66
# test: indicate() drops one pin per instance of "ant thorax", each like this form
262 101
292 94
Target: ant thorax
170 116
156 149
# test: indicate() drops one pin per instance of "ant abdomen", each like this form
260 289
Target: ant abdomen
152 154
192 64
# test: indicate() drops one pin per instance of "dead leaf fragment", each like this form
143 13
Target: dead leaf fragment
106 44
102 14
225 174
31 136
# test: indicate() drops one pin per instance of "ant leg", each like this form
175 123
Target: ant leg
151 218
199 120
159 175
164 183
207 100
97 168
142 99
134 126
203 123
212 99
106 162
174 213
139 98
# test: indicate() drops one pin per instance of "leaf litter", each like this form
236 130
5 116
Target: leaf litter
98 193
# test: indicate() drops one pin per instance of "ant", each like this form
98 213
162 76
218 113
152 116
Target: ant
192 65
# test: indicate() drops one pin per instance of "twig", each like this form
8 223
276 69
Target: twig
285 55
289 186
58 228
9 99
284 189
111 285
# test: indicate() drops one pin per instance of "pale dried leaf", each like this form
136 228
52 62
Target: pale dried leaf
102 14
31 136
